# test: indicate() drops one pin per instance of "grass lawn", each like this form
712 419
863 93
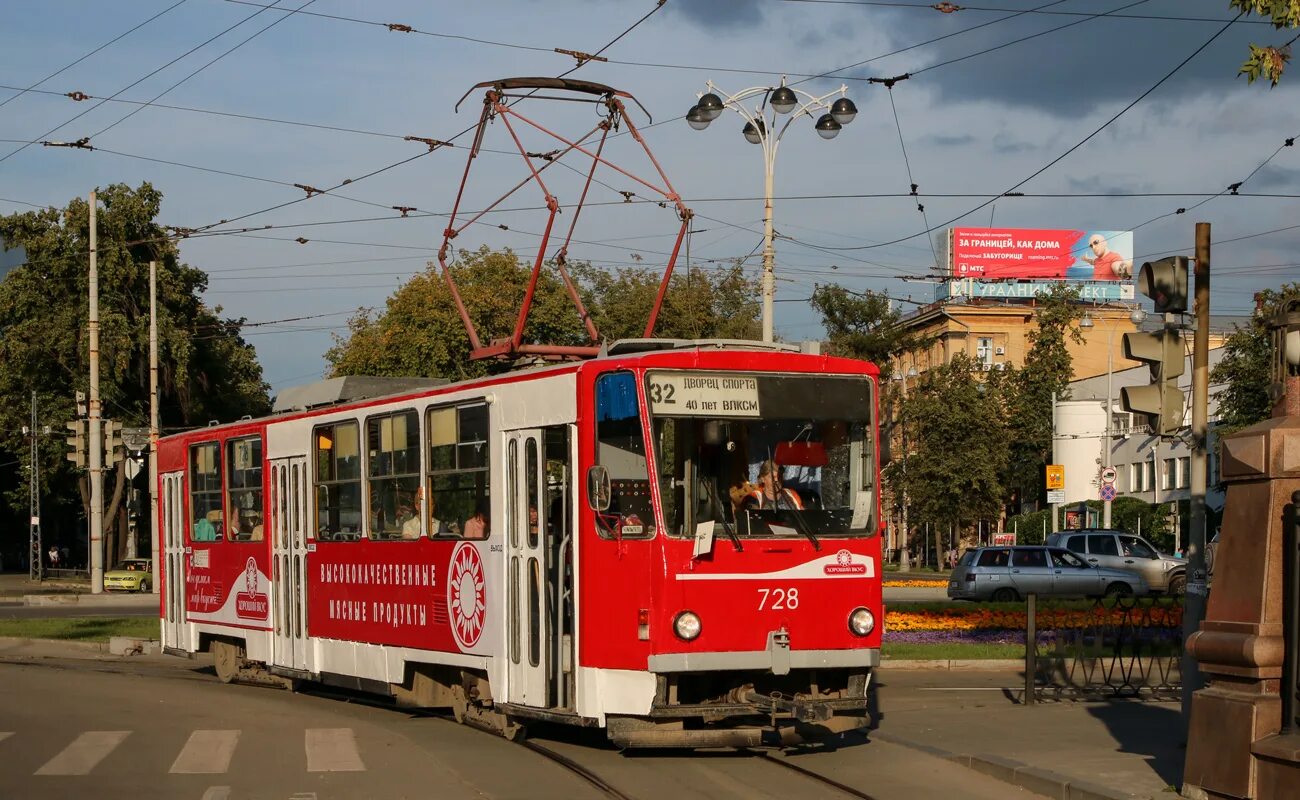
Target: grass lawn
81 629
950 651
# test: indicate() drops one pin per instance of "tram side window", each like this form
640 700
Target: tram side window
393 475
458 477
205 492
244 489
620 448
338 482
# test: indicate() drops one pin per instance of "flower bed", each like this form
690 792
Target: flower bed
915 583
977 618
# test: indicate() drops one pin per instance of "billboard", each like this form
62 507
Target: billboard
995 254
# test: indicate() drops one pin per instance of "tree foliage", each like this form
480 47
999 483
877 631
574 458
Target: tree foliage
420 332
865 326
1268 62
206 370
956 447
1028 391
1245 370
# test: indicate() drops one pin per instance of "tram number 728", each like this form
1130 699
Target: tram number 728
781 599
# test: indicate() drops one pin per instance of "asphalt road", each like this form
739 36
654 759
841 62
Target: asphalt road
16 611
165 728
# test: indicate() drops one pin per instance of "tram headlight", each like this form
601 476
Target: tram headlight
687 626
862 622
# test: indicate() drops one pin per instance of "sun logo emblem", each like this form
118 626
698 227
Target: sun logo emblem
250 576
466 595
844 558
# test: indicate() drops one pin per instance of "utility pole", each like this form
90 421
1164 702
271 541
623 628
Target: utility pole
35 551
1194 601
96 445
153 415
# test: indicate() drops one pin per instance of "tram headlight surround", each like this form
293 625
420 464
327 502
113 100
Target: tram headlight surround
862 622
687 626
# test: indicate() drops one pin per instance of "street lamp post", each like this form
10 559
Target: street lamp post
1136 316
763 126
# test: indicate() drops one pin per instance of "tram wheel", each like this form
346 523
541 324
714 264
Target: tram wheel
228 658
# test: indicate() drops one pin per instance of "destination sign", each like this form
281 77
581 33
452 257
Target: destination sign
693 394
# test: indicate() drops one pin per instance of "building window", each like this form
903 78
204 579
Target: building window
205 492
393 475
458 476
244 488
338 481
1184 472
1169 474
984 350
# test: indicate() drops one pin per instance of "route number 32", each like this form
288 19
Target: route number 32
780 599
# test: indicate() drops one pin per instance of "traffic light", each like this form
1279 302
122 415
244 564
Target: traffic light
1165 282
77 442
112 442
1162 400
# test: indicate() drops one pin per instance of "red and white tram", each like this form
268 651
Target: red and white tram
600 543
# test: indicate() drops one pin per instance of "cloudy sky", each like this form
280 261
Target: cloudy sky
997 92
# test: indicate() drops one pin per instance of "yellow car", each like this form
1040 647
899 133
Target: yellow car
132 575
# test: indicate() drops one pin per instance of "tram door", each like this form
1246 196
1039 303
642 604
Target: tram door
539 514
289 561
527 631
175 629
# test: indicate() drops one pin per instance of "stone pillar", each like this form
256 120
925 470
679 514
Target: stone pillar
1233 746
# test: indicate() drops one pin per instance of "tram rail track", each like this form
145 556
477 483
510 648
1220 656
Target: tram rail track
816 776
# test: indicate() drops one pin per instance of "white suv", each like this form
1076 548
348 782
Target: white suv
1123 550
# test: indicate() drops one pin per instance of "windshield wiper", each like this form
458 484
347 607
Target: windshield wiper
800 523
726 528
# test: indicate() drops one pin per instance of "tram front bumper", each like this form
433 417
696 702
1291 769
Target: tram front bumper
778 659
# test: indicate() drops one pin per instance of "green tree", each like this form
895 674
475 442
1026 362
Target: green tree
1269 61
1028 391
957 449
1245 370
420 332
722 303
206 370
865 325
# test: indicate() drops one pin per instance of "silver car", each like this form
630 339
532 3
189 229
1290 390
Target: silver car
1007 574
1123 550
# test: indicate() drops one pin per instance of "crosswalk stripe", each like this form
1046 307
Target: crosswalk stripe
206 752
87 750
217 793
333 750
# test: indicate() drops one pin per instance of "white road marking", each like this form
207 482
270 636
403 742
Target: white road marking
333 750
217 793
5 735
206 752
86 751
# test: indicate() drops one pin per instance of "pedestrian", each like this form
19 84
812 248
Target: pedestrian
54 557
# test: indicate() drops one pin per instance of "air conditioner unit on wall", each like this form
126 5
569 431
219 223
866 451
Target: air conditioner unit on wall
999 351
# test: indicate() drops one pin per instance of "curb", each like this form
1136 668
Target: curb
988 664
1033 779
24 641
106 599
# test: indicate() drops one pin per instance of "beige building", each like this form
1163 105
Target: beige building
996 333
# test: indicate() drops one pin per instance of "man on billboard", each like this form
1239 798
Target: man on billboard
1107 265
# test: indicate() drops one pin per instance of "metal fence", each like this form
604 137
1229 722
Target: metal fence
1111 647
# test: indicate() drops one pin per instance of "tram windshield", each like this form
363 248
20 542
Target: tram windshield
764 455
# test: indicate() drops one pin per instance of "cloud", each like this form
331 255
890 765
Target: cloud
721 13
1274 177
944 140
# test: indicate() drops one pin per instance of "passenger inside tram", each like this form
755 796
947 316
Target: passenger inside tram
478 526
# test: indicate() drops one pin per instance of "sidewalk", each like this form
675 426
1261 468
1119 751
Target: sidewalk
16 589
1079 751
